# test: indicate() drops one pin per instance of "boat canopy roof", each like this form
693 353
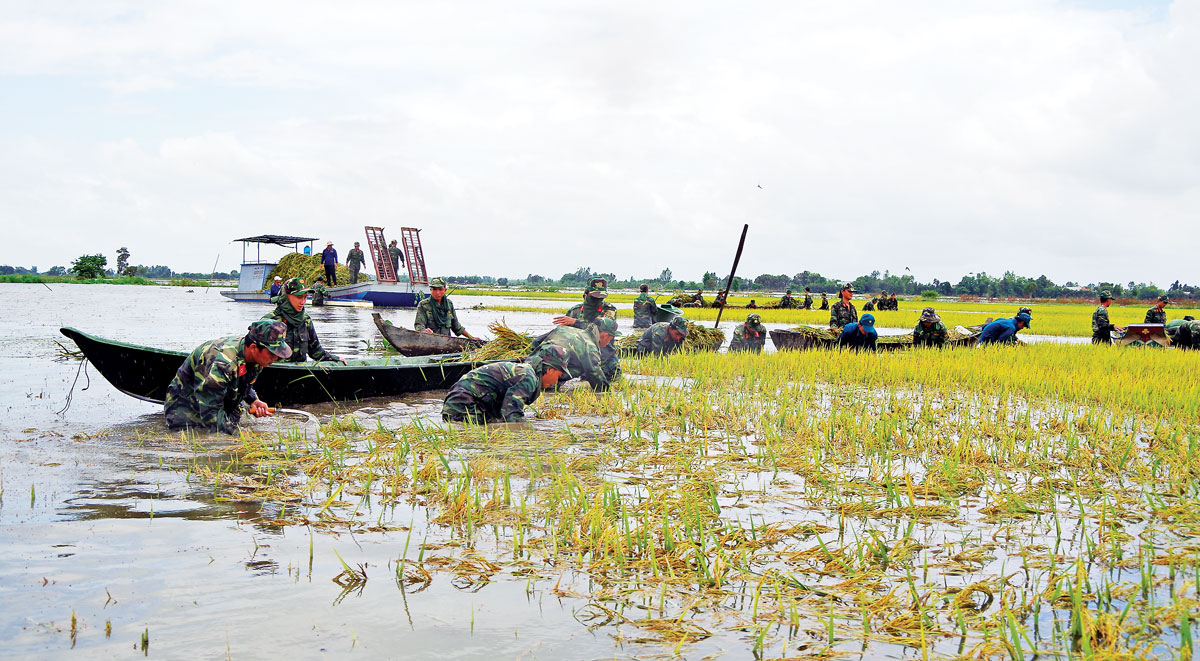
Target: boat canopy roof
277 239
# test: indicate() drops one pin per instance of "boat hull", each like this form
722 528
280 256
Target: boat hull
411 343
374 293
146 372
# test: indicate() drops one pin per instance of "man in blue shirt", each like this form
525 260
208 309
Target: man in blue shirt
860 334
1004 331
330 261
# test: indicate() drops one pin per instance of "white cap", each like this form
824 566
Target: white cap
278 278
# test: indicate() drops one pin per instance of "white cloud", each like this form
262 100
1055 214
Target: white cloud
949 137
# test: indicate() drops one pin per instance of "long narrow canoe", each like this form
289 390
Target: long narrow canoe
145 373
411 343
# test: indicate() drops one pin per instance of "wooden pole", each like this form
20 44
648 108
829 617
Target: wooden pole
736 258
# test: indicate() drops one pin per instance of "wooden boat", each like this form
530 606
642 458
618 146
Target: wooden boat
145 373
411 343
794 340
667 312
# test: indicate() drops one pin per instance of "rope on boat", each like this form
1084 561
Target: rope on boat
71 393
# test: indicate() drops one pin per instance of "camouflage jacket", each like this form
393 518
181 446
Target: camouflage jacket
585 316
748 339
787 301
209 388
808 302
657 341
583 352
303 341
427 317
1156 316
644 309
841 314
318 293
869 306
1100 322
824 303
355 255
499 391
396 254
933 336
610 363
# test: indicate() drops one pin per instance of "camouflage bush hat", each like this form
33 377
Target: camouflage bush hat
597 288
1025 318
867 320
928 314
295 287
437 282
1164 298
270 335
1028 311
680 324
1105 294
550 356
607 325
754 319
850 286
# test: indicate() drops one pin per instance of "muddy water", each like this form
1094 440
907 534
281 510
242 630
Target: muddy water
102 517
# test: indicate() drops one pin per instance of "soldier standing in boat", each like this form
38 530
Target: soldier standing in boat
1158 313
218 376
301 335
436 314
355 260
397 256
501 391
592 308
1102 328
644 308
843 312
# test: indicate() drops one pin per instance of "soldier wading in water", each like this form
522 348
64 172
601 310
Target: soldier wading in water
501 391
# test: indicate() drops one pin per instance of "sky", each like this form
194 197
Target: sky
944 137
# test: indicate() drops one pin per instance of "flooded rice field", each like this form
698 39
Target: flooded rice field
994 504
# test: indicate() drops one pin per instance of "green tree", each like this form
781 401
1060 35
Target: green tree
89 266
665 276
709 281
122 260
57 270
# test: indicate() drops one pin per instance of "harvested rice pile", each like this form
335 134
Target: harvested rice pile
698 338
826 334
816 333
299 265
509 344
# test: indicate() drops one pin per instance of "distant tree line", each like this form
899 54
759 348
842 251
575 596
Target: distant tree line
1009 285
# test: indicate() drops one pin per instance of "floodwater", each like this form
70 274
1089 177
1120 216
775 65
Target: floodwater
100 523
106 525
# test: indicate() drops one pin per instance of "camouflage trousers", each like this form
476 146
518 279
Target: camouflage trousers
353 273
461 406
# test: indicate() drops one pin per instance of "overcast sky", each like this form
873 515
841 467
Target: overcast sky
1057 138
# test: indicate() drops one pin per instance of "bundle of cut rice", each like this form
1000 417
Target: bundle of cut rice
308 267
698 338
509 344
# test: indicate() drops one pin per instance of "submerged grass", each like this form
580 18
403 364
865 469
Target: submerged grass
994 503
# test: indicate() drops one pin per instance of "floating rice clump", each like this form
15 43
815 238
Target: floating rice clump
509 344
299 265
698 338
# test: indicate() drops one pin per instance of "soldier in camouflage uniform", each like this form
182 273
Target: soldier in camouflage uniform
586 350
1173 326
318 291
699 298
843 312
501 391
592 308
397 256
355 260
436 314
808 300
893 304
750 336
662 338
644 309
870 305
1102 328
1187 333
209 388
786 301
301 335
930 331
1157 314
824 301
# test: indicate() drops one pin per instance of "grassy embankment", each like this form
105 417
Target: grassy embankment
28 278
